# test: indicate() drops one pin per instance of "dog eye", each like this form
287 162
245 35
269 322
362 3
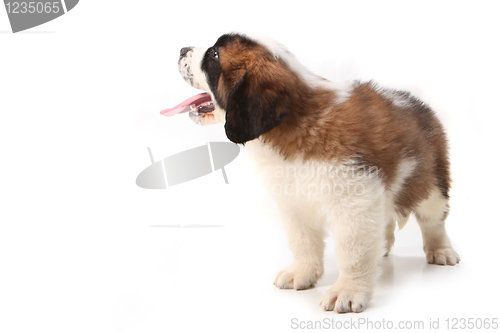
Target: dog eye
214 53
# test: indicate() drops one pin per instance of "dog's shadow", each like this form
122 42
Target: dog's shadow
398 271
403 270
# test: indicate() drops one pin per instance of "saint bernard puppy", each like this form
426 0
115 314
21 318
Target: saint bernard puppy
352 159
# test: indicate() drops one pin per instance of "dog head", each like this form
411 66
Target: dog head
250 82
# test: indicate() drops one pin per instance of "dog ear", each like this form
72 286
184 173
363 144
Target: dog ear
254 108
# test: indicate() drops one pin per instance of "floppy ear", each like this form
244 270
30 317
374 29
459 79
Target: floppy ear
254 108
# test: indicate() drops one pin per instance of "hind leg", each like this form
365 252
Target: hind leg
390 228
431 215
389 236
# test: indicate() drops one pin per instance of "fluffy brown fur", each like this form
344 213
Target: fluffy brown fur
368 126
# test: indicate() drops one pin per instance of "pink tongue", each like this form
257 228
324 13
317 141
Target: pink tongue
188 105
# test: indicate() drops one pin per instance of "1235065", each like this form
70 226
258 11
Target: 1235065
472 323
33 7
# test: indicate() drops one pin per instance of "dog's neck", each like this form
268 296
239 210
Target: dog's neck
301 130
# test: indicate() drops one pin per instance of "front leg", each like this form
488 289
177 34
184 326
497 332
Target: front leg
306 241
359 245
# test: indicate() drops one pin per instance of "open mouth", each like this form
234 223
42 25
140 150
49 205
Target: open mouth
200 104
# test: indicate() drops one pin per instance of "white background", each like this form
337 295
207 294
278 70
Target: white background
83 249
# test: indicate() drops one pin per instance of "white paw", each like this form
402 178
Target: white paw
344 299
298 277
444 256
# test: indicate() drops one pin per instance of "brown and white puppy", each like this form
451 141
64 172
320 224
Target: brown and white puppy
353 159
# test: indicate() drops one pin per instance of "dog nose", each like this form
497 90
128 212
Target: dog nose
185 50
